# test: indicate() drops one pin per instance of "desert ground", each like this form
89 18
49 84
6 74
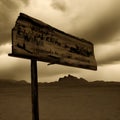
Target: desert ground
61 103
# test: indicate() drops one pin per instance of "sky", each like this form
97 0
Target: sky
97 21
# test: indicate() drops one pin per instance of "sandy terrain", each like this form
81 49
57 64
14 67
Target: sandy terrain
85 103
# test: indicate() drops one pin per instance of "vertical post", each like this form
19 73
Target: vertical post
34 90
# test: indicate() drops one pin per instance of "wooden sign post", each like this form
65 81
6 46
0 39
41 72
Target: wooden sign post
35 40
34 90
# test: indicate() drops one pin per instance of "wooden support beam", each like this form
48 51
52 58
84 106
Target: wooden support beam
34 90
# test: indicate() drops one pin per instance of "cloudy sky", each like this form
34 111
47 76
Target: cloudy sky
95 20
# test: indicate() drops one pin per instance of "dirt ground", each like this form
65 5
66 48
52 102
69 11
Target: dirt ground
83 103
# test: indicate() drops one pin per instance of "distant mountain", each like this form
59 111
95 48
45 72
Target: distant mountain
72 81
70 78
103 83
66 81
6 82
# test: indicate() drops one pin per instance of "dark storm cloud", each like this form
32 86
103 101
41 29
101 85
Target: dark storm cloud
104 30
101 26
59 5
26 2
8 8
110 60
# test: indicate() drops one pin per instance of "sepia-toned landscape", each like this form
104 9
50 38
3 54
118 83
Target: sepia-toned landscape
68 99
59 41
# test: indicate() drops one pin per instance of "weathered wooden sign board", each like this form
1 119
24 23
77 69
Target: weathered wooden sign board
38 41
32 38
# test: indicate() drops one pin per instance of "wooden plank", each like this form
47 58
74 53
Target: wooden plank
34 90
32 38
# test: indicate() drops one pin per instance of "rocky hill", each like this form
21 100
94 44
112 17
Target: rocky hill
72 81
66 81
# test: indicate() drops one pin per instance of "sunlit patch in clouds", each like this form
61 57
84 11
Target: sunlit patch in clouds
44 11
14 68
105 73
5 49
53 70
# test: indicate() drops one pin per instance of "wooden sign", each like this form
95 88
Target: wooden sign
32 38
